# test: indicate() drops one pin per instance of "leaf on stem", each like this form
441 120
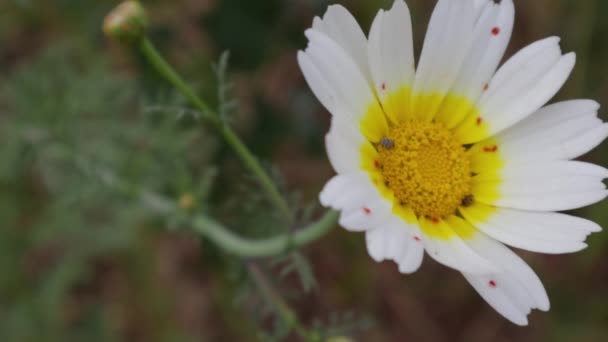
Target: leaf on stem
226 103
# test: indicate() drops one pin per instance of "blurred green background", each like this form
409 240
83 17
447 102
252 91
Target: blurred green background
85 123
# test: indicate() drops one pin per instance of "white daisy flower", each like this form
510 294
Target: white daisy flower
455 157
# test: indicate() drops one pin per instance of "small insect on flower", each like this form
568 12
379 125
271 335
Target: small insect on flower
468 200
387 143
442 190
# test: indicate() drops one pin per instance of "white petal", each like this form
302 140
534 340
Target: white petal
542 53
372 212
545 183
339 25
344 191
362 206
479 5
447 42
550 117
549 195
554 202
319 84
396 240
492 35
337 74
564 130
411 259
515 289
551 233
338 192
391 51
344 143
549 186
547 170
453 251
502 298
530 99
524 84
512 289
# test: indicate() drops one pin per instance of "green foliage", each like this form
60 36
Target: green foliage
79 152
226 104
343 324
296 263
90 164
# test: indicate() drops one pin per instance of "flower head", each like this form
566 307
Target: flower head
455 156
127 22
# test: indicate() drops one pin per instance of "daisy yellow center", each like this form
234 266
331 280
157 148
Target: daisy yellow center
426 167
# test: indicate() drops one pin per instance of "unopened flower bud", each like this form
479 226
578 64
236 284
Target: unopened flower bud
186 202
126 22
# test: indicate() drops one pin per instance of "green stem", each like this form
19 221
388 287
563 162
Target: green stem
217 233
254 167
267 247
238 245
165 69
281 307
159 63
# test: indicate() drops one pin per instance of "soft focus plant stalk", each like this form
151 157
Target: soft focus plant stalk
126 23
153 56
280 306
267 247
220 235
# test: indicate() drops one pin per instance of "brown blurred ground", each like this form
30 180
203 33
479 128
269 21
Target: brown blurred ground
167 282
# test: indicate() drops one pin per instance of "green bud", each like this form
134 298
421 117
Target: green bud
186 202
126 22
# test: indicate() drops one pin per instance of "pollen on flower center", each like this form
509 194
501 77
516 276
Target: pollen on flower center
426 167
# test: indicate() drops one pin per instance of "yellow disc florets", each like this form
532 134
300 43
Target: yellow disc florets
426 167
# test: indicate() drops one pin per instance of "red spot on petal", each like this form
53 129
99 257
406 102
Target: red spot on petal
492 284
496 31
383 86
367 211
417 239
490 149
486 87
435 220
479 121
376 163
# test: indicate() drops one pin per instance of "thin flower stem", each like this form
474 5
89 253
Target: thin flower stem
267 247
281 307
165 69
153 56
219 234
